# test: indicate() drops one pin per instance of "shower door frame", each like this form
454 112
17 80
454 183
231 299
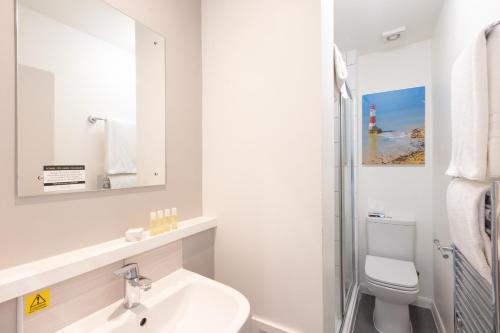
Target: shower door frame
347 119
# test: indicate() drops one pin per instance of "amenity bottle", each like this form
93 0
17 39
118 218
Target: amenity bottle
168 220
152 223
161 221
173 219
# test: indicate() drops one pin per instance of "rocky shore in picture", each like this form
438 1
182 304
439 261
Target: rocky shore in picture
417 136
415 154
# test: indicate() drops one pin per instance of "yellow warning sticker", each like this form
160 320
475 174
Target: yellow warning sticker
37 302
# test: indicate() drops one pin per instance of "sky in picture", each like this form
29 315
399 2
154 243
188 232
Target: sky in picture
397 110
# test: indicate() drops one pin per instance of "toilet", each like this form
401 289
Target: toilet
390 272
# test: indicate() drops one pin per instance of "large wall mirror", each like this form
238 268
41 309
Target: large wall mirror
90 99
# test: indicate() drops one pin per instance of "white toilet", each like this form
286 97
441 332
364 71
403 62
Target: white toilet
391 273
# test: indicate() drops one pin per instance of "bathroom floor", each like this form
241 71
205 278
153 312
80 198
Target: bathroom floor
421 319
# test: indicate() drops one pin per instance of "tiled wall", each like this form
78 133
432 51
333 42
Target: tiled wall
77 298
80 296
198 253
352 66
8 316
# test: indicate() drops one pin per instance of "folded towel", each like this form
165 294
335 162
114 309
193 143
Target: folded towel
122 181
340 70
465 203
121 153
493 49
469 112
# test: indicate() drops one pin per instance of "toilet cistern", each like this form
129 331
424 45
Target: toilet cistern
134 284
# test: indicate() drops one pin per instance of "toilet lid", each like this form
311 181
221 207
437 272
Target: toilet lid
392 272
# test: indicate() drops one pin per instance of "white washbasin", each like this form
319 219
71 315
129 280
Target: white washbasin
182 302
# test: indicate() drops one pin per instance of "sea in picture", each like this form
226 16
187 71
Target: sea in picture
394 127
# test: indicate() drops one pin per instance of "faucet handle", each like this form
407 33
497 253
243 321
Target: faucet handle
129 272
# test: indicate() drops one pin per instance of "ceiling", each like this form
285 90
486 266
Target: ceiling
359 23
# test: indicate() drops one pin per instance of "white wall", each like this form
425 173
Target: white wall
399 191
328 113
262 152
89 218
459 21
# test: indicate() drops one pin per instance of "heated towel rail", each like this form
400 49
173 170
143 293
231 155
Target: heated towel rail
476 299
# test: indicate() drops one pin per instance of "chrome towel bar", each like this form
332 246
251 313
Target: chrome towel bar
93 119
445 250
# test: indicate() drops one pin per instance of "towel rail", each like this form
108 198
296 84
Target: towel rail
476 299
94 119
443 249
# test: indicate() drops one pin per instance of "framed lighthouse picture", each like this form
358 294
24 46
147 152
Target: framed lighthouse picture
394 127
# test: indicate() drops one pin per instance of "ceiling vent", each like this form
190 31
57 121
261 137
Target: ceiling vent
394 34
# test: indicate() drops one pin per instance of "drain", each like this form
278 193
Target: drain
143 321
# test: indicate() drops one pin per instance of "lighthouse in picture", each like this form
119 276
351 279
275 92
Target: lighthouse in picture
372 128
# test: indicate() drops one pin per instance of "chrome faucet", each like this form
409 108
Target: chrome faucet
134 284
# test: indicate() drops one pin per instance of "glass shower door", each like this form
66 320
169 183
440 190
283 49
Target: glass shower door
345 262
347 202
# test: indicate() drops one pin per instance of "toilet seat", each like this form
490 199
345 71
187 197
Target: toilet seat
391 273
392 287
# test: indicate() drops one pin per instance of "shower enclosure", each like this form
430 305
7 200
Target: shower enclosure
345 219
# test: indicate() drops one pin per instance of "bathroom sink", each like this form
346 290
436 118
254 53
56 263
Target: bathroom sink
182 302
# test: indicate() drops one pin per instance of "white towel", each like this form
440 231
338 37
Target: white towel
465 203
122 181
469 112
120 147
493 49
340 70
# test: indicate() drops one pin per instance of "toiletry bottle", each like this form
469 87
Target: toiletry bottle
168 220
161 221
152 223
173 219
